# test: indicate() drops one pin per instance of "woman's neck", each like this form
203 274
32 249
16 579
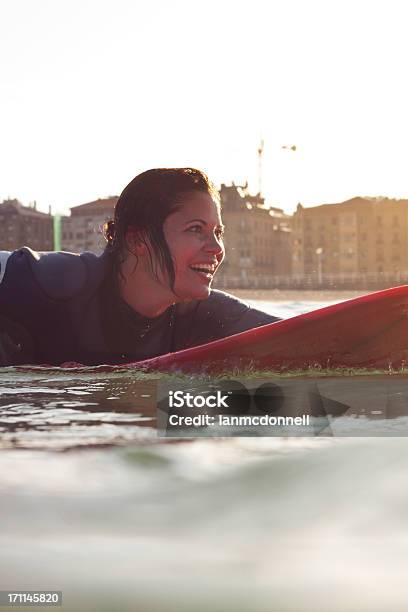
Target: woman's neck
143 293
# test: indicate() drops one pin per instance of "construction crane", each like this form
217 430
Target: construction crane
260 154
260 161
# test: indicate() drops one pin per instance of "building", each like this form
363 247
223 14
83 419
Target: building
25 226
83 230
360 241
257 241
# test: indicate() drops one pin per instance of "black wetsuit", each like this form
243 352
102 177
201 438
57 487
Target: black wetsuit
59 307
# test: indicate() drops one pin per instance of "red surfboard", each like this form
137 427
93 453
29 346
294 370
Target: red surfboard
370 331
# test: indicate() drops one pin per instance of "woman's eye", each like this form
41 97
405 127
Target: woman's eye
198 229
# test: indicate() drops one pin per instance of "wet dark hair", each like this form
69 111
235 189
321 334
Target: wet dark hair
145 204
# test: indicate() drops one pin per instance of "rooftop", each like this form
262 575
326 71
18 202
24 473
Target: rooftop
14 205
97 206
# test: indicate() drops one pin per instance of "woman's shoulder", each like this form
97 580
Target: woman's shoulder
220 315
222 297
215 303
60 275
229 308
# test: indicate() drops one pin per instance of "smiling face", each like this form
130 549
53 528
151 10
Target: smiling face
194 236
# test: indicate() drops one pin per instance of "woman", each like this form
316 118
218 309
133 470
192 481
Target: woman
148 294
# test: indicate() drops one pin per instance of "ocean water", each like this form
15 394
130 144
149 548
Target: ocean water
94 504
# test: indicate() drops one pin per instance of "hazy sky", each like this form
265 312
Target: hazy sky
95 91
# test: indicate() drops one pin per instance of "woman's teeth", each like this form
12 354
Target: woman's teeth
206 269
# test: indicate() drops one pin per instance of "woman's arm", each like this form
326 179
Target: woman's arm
16 344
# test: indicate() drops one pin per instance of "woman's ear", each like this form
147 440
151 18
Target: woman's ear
135 242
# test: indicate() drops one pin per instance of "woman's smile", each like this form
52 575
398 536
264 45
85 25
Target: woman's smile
205 271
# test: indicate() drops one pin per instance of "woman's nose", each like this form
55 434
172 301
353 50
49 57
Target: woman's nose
214 245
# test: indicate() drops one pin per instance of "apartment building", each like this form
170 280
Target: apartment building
361 237
25 226
257 240
83 229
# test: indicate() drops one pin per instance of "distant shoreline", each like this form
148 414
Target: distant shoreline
284 295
